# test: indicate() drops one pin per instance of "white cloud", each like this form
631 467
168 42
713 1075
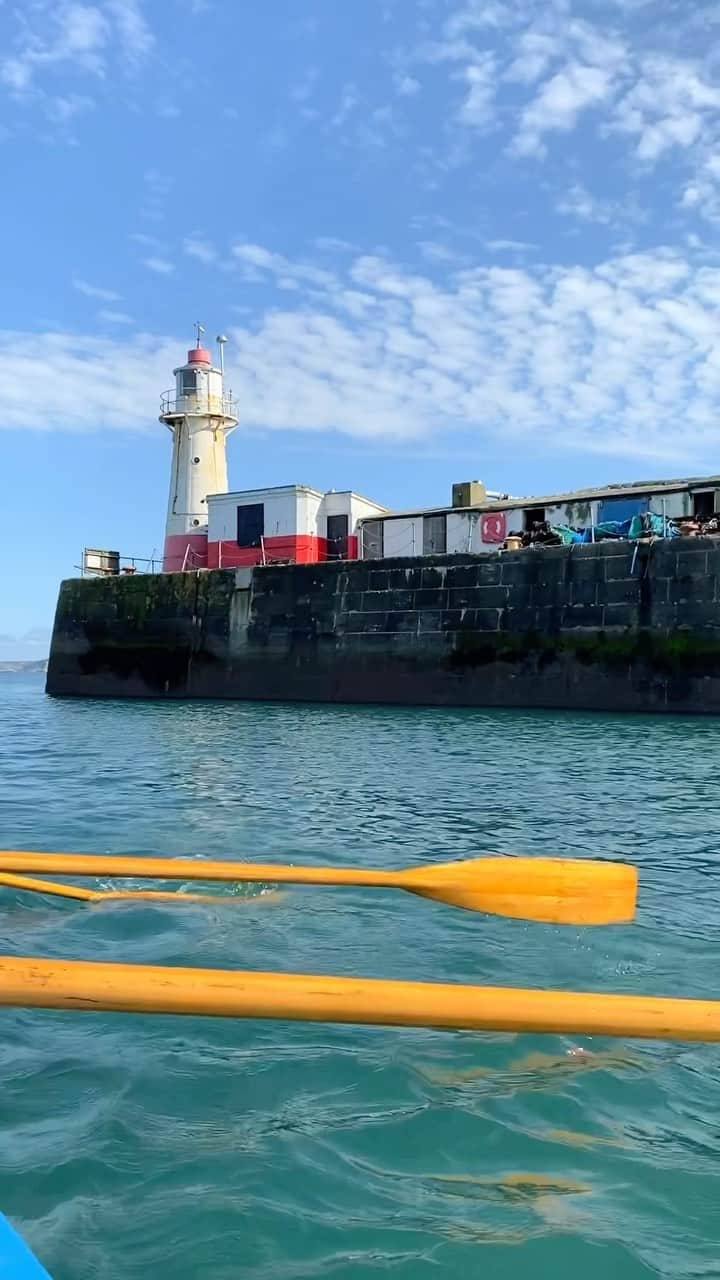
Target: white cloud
618 355
111 371
63 109
81 37
598 46
302 90
559 103
477 106
579 203
702 193
381 125
95 291
73 33
36 635
668 106
160 266
196 247
81 30
255 256
406 86
257 262
348 101
537 72
333 244
534 51
433 251
115 317
476 65
610 359
157 188
479 15
135 36
509 246
18 647
147 242
16 74
679 130
574 64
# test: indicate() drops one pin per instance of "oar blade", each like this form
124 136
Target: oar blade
549 890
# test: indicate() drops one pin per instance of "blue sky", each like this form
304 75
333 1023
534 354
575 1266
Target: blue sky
447 239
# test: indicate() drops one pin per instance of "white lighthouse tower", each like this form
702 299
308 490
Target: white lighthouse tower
200 416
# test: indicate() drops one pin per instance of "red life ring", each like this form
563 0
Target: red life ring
493 526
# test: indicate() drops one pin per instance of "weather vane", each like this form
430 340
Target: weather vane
198 330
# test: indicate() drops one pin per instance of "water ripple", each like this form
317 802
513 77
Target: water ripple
136 1146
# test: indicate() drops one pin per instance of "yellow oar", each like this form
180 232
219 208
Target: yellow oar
136 988
99 895
552 890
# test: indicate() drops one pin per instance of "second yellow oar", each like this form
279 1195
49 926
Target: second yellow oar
33 885
30 982
552 890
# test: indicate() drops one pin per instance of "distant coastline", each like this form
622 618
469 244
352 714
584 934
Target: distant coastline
12 668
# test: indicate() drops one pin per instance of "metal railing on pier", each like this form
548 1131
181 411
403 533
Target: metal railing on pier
112 564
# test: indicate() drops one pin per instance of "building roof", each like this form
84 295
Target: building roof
354 494
511 503
294 488
270 488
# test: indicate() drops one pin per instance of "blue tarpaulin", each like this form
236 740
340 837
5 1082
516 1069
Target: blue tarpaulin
622 508
637 527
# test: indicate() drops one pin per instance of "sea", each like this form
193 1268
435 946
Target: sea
137 1147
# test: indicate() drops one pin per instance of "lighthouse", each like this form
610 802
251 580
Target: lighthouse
200 415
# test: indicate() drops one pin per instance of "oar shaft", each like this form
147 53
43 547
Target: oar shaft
102 895
90 864
47 886
79 984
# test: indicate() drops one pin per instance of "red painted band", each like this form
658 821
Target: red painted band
185 551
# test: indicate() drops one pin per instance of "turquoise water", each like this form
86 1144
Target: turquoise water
137 1147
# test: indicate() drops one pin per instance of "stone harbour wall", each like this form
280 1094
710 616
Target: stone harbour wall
610 626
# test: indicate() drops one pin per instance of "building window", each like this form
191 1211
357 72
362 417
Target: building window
188 382
373 539
250 525
533 516
434 535
704 503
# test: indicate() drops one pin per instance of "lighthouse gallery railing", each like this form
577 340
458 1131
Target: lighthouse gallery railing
223 406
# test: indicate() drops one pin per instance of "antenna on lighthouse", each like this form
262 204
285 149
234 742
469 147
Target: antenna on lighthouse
199 329
221 340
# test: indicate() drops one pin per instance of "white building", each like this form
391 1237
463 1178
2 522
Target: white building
291 522
478 522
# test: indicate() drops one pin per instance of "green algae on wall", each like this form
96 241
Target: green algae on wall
604 625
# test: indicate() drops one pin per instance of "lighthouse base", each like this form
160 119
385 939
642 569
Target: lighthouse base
185 551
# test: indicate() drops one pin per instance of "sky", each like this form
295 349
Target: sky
446 239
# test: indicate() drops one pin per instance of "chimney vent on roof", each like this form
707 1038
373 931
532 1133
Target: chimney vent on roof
468 493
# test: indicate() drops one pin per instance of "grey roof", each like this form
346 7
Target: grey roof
511 503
